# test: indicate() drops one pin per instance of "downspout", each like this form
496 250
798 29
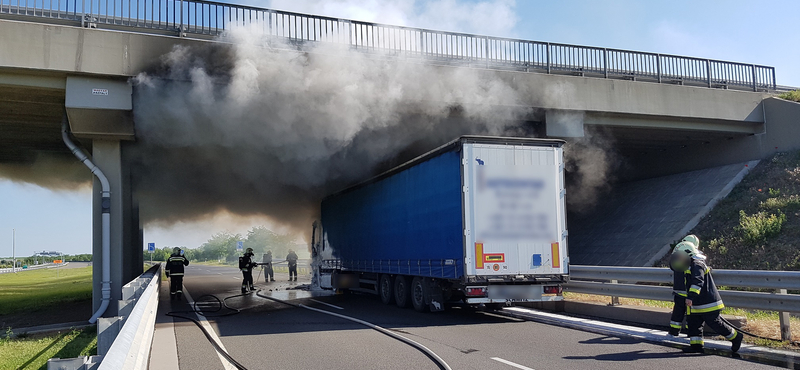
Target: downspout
105 219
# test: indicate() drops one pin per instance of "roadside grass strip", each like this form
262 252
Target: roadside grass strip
32 352
32 290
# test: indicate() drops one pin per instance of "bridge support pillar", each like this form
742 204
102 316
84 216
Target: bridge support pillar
126 235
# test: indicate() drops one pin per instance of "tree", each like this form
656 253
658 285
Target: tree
262 239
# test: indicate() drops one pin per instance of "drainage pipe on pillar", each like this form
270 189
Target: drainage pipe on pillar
105 204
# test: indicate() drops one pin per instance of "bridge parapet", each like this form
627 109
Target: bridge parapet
203 19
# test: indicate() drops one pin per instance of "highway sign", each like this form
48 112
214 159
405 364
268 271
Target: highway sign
239 246
151 247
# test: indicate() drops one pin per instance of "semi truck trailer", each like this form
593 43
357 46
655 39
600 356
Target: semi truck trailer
477 221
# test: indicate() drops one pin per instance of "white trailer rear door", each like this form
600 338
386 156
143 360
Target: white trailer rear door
514 210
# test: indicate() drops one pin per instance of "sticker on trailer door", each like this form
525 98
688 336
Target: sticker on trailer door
514 205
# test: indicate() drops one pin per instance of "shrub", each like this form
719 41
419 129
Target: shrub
793 95
786 203
760 226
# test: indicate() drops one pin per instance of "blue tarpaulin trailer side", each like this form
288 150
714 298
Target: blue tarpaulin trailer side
407 223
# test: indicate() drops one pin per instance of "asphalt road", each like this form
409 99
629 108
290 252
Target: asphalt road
276 336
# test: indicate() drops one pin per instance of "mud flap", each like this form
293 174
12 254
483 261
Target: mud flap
435 296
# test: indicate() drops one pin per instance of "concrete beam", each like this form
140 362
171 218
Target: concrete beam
737 127
100 108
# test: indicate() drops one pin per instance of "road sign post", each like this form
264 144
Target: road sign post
239 246
151 247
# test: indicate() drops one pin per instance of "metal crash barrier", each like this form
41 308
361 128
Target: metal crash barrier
627 282
123 342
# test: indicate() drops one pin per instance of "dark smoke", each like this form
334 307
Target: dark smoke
255 130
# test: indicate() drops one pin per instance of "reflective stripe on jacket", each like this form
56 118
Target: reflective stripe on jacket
702 290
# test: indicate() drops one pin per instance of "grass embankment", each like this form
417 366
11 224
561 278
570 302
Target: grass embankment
44 291
32 352
40 289
793 95
756 227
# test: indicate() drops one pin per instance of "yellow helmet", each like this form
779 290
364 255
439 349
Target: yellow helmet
691 238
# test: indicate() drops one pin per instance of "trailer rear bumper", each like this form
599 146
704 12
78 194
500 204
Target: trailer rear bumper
511 300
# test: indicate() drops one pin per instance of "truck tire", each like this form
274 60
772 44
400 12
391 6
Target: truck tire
386 289
418 294
402 291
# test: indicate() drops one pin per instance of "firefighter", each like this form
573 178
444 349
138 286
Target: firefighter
246 264
174 270
679 293
703 303
266 262
292 259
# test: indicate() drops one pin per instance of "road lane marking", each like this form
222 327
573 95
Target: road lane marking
327 304
509 363
227 365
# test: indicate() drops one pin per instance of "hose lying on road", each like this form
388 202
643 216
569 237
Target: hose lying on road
432 355
220 303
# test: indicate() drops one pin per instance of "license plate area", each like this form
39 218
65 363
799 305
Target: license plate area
514 292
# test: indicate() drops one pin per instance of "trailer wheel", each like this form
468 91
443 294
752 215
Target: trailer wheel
386 289
418 294
402 291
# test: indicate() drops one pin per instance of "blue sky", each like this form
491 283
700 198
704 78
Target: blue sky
758 32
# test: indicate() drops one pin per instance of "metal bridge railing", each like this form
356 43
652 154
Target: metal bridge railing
198 17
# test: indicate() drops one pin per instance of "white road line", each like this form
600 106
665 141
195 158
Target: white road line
227 365
327 304
509 363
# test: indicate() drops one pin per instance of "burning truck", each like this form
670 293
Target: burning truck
478 221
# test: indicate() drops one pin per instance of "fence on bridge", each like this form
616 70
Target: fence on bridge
197 17
625 282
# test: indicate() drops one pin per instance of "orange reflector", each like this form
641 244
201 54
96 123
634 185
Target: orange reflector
478 255
556 257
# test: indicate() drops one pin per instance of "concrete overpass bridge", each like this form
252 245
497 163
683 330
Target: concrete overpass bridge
665 113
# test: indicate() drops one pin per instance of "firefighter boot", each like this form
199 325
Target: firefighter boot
178 296
736 342
674 332
694 348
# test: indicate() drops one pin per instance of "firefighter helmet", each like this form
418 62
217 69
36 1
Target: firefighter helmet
691 238
248 251
176 250
682 256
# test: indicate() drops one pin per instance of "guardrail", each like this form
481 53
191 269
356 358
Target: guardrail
198 17
626 282
123 342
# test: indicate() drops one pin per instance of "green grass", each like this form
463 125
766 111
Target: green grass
32 352
793 95
36 289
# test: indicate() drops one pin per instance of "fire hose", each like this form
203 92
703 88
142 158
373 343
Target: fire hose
796 343
432 355
233 311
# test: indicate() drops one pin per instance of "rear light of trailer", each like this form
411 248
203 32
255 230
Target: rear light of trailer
476 292
552 289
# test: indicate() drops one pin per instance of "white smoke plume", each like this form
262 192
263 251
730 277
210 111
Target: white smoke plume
258 129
